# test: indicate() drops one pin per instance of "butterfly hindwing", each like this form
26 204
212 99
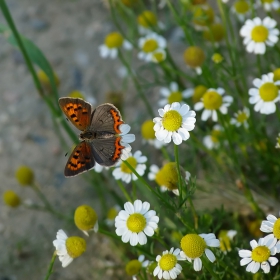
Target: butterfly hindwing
106 118
81 160
77 111
107 151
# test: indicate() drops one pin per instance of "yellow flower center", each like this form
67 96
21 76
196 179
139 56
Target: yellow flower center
193 245
224 241
276 229
75 246
11 198
112 213
159 56
136 222
194 56
168 176
147 19
260 254
241 117
25 175
241 7
133 267
150 45
268 91
212 100
202 16
172 120
75 94
175 96
132 161
215 134
276 76
217 58
167 262
114 40
198 93
147 130
259 33
215 33
85 217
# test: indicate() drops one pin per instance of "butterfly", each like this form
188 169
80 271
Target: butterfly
100 139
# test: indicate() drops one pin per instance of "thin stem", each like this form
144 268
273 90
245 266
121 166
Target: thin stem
51 266
9 19
127 196
176 153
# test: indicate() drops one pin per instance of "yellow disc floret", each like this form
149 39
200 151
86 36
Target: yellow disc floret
268 91
193 245
85 217
172 120
150 45
215 33
147 19
241 7
175 96
259 34
132 161
198 93
25 175
203 15
112 213
76 94
276 229
114 40
194 56
75 246
167 262
212 100
136 222
133 267
276 75
260 254
11 198
147 130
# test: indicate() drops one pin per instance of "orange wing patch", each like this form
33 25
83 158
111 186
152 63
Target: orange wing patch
117 120
118 149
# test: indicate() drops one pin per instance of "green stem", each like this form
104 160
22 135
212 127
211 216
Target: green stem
124 190
9 19
51 266
176 153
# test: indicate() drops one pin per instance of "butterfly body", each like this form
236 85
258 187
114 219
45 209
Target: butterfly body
99 134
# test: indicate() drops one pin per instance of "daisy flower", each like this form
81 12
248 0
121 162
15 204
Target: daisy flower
68 248
150 45
112 43
112 214
172 94
260 256
194 57
258 33
269 5
212 141
241 118
241 9
85 219
167 264
278 142
174 123
167 176
225 237
272 225
196 93
125 140
213 101
265 94
148 134
123 172
195 245
133 267
147 21
135 222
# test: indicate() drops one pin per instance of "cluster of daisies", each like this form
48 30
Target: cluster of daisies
136 222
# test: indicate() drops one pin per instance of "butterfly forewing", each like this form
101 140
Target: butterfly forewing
107 151
77 111
106 118
81 160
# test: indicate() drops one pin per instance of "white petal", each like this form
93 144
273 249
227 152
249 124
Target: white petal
197 264
210 255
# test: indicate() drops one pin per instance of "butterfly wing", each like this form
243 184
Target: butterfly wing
77 111
107 152
81 160
106 118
